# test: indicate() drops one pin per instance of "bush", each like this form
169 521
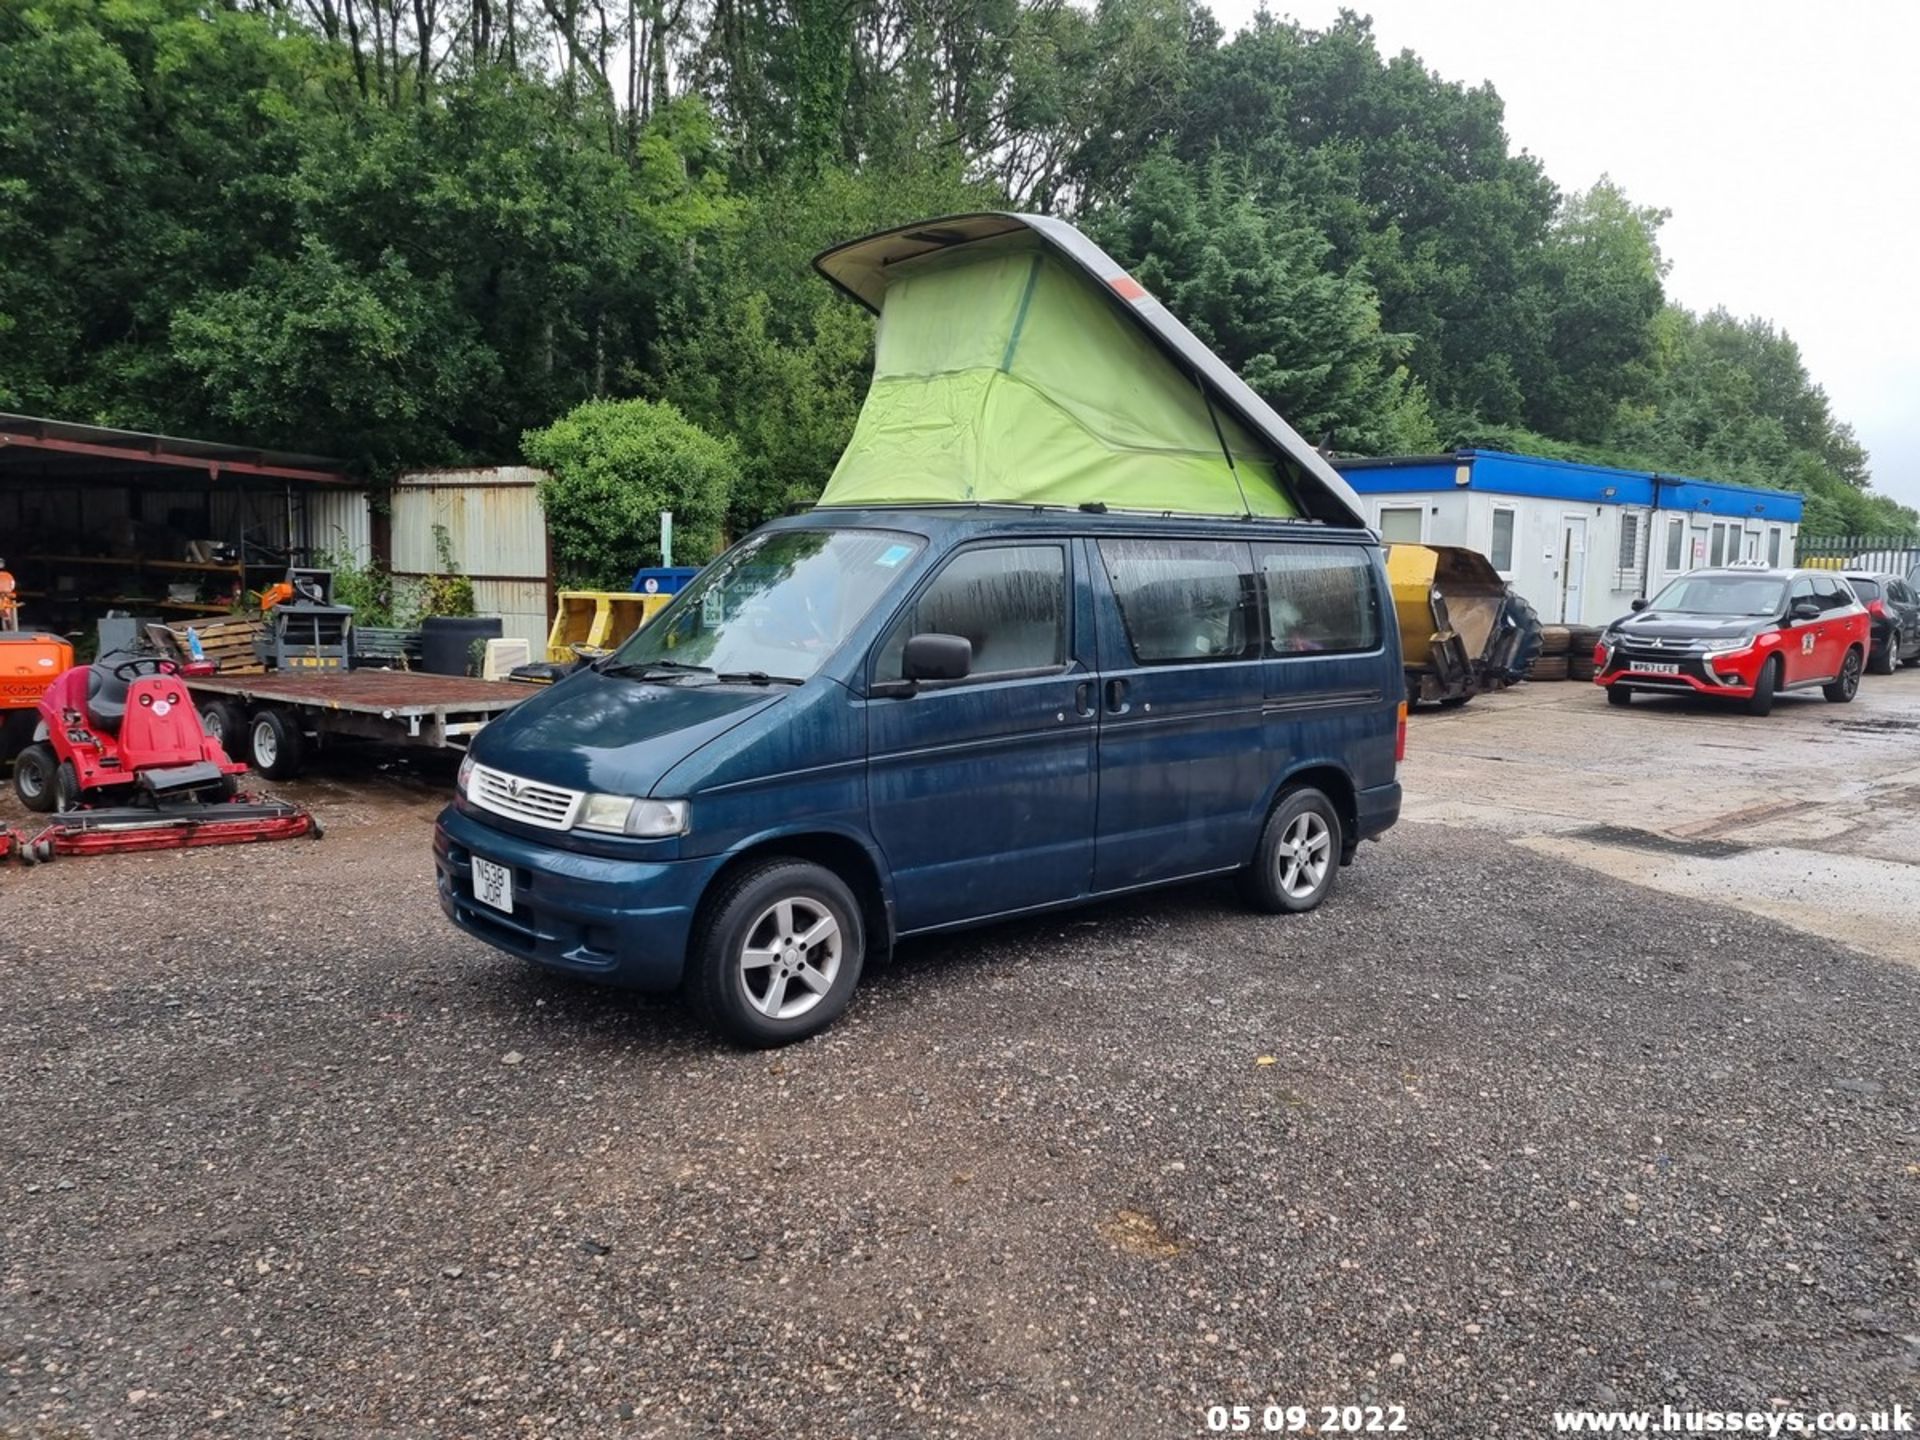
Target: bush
612 467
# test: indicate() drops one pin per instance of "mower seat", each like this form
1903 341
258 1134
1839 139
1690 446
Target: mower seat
106 699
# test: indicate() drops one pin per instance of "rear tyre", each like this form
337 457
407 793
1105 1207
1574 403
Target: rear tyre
66 787
1454 702
1619 695
1761 701
1885 658
226 724
33 777
1847 685
776 954
1298 856
276 748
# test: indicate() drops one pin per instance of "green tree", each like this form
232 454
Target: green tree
612 467
1253 281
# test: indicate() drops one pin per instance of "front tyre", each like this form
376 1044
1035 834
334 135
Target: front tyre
1618 694
33 777
1761 701
777 953
1847 685
1298 856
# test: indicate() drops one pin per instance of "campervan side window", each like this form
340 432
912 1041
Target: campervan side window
1010 601
1502 548
1320 599
1184 600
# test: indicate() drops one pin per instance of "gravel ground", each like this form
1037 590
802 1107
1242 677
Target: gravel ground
285 1154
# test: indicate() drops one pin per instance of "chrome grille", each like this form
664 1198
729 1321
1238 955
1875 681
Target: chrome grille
548 806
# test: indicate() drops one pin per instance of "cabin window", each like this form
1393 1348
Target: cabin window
1501 551
1676 543
1402 524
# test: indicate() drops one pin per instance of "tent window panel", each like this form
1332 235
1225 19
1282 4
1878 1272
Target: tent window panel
1402 524
1502 550
1184 600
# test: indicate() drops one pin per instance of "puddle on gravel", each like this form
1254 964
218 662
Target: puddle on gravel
1633 839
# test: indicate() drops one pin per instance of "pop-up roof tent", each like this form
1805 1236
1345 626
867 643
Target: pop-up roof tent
1016 362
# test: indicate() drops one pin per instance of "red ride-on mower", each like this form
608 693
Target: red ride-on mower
121 756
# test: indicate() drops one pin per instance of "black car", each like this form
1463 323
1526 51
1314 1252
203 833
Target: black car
1895 608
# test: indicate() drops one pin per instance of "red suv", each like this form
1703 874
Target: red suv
1743 633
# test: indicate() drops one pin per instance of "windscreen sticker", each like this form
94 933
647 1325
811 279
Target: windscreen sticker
893 555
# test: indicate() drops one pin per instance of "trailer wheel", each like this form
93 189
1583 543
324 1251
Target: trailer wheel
33 770
276 744
226 723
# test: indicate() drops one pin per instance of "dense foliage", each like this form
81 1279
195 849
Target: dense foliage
612 467
410 233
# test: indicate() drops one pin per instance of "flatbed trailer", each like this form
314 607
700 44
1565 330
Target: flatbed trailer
272 720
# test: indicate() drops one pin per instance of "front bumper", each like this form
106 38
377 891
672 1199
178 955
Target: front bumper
1733 677
619 922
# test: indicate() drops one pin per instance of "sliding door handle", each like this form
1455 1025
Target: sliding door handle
1117 697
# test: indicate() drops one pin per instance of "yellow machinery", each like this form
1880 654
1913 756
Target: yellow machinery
1462 629
592 622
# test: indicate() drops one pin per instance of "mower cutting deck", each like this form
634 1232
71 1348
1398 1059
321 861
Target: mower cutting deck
125 828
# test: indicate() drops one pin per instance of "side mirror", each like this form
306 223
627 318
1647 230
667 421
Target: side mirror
1639 603
934 656
1803 610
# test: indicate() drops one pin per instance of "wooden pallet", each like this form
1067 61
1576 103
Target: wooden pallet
230 644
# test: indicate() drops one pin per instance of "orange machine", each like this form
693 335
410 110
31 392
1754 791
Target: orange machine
29 663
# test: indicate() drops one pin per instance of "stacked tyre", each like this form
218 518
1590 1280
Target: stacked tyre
1581 640
1551 664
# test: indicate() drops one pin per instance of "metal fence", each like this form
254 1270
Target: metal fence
1883 554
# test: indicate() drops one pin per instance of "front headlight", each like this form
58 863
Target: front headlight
624 815
466 774
1727 647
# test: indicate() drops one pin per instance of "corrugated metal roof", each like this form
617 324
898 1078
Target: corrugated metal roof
24 435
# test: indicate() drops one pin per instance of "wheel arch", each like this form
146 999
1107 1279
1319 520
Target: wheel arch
1334 781
843 854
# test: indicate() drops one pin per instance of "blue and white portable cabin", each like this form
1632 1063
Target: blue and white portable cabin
1579 541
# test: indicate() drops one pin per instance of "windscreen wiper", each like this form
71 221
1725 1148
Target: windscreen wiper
755 677
655 669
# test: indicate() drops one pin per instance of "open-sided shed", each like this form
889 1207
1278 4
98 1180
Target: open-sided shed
94 519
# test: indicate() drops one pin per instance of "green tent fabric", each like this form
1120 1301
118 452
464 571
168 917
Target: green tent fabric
1003 374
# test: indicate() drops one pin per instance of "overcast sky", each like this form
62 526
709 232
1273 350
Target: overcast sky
1783 136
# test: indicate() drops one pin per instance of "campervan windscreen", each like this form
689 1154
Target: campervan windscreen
776 605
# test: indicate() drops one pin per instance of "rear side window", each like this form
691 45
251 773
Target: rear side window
1832 593
1184 600
1009 600
1320 598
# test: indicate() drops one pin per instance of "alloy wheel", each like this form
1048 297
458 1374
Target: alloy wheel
791 957
1304 853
